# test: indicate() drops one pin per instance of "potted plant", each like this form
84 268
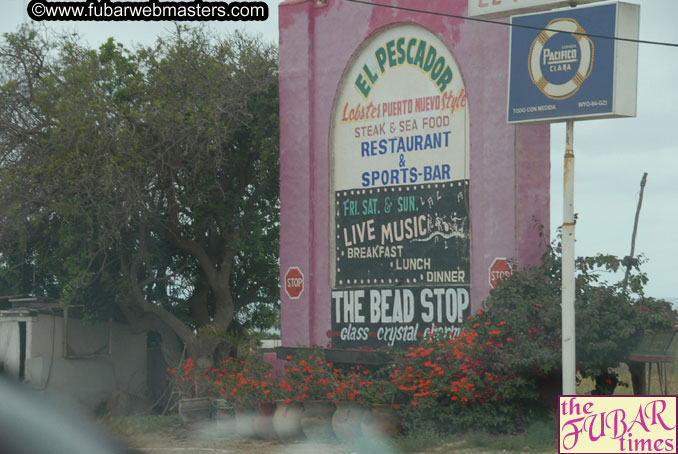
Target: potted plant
311 380
379 392
194 403
348 398
249 386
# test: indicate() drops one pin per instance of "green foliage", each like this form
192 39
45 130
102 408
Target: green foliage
502 372
308 376
141 424
540 436
143 182
463 383
419 434
610 317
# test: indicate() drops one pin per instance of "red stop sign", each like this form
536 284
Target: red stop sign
294 282
500 269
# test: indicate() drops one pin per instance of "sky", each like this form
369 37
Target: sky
610 155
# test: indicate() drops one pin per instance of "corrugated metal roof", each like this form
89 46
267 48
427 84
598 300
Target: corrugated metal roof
13 314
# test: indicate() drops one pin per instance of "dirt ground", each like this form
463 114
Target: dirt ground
174 443
221 439
183 440
186 441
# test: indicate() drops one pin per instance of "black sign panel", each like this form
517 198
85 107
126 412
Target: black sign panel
403 235
400 316
403 263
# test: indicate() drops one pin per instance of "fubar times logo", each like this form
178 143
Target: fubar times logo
617 424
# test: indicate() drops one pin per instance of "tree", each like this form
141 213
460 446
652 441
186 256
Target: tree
610 317
142 182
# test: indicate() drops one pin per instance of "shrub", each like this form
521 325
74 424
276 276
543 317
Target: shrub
503 371
243 383
308 377
493 375
610 318
464 382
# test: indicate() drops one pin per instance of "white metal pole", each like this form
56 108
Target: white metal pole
568 285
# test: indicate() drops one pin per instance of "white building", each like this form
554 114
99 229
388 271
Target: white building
56 352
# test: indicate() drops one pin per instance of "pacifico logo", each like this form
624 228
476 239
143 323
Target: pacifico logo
560 62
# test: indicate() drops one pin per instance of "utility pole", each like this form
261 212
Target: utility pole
635 229
568 284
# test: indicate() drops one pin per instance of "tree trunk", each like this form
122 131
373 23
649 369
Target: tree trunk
204 349
140 321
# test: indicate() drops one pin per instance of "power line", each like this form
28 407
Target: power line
507 24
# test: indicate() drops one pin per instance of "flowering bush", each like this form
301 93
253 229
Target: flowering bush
503 370
185 380
462 382
382 388
243 383
361 384
493 375
308 377
246 383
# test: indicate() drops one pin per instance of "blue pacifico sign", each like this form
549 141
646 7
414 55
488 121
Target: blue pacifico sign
559 71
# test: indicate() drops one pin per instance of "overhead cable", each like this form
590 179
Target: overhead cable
507 24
